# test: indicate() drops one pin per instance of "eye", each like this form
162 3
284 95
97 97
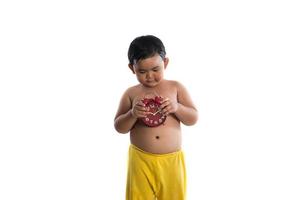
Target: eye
142 72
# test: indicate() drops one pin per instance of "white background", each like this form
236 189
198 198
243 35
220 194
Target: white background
64 68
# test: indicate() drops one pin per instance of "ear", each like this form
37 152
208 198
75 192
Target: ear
166 62
131 68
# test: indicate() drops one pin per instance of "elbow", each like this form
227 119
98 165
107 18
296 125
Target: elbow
192 121
120 130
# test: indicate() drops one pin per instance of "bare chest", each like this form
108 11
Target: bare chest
170 93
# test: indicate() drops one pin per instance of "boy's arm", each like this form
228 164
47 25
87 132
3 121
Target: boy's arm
124 120
186 111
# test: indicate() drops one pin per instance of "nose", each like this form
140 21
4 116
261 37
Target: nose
149 75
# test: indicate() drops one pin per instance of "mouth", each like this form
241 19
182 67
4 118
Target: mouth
150 81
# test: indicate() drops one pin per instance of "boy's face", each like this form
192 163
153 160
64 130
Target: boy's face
150 71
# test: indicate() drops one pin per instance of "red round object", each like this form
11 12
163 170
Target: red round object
156 117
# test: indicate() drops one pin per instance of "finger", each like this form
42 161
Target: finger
144 114
140 103
165 103
142 108
167 110
165 99
139 114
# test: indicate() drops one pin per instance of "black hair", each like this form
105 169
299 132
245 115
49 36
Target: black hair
145 47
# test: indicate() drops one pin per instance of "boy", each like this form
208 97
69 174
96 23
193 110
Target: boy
156 167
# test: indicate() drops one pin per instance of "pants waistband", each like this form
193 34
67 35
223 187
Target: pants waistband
155 154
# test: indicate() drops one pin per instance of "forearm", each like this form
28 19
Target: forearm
125 122
186 115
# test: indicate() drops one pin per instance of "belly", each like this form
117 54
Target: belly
165 138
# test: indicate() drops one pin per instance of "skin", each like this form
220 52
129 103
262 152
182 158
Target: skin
177 105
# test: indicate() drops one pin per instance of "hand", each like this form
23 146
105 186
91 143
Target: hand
139 110
168 106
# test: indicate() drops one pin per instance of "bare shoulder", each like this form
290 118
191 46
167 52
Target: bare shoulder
126 100
175 84
130 94
132 91
183 95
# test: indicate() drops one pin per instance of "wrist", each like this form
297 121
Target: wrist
132 114
178 108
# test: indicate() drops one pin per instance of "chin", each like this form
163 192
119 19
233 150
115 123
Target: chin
149 86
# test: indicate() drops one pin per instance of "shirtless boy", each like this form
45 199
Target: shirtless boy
156 167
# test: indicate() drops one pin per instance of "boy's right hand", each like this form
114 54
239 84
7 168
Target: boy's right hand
139 110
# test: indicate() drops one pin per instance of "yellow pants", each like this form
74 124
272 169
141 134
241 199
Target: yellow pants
155 176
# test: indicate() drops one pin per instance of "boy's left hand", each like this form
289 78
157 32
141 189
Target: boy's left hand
168 106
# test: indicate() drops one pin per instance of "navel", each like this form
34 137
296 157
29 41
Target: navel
157 137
